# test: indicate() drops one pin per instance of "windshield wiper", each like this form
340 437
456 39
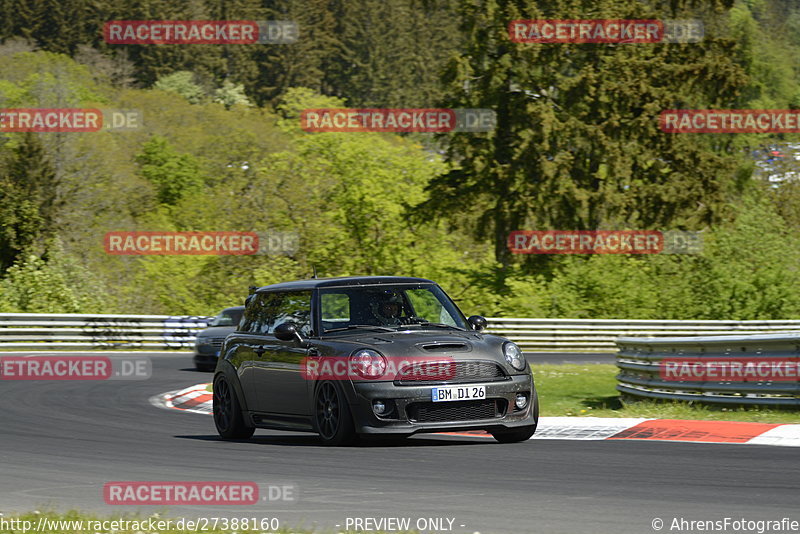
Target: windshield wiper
353 326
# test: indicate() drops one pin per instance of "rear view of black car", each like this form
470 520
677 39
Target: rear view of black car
354 356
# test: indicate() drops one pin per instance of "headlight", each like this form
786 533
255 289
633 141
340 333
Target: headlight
514 356
199 341
368 363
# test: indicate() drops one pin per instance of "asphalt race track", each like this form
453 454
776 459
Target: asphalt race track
60 441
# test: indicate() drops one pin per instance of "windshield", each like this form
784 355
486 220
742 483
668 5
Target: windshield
388 306
229 317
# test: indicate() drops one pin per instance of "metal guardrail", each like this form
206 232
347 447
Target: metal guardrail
599 335
24 331
21 331
643 369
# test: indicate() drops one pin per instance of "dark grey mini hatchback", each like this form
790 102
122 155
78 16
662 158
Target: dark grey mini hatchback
369 356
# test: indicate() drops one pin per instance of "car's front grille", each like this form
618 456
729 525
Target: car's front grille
216 341
443 412
463 371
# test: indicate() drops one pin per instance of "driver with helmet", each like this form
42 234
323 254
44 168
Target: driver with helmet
387 308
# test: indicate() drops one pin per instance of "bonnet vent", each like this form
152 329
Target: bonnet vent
449 346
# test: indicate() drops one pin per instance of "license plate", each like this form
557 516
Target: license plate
458 393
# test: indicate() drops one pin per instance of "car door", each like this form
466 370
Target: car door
246 344
280 385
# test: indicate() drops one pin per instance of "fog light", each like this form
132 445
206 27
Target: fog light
521 401
378 407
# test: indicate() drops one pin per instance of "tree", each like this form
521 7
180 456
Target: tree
182 83
27 201
392 54
174 175
59 284
231 95
577 144
273 69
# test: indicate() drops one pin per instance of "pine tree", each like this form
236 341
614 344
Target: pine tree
300 64
577 143
27 201
392 53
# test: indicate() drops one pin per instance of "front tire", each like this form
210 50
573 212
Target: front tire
227 412
332 417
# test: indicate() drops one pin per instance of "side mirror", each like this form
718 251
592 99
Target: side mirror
477 322
287 332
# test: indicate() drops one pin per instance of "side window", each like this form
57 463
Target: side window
427 306
292 306
268 310
256 317
335 310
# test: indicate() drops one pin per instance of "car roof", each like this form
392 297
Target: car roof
343 281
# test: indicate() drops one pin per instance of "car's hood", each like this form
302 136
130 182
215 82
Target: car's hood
431 343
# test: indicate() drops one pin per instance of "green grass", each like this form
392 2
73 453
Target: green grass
589 390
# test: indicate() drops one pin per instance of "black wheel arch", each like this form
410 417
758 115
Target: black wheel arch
229 371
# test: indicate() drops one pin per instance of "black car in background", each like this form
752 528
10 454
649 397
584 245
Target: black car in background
209 341
378 355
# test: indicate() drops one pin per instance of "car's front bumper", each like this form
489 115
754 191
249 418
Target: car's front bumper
205 354
412 410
